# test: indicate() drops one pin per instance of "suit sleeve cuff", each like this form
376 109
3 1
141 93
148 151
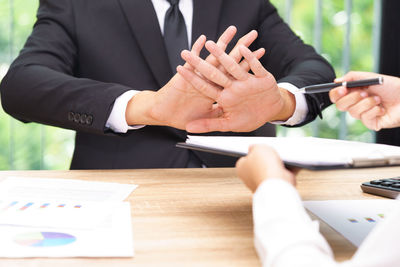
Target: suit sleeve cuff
301 110
116 121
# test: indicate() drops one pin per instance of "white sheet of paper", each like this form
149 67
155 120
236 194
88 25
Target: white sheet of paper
63 189
112 239
52 213
354 219
304 150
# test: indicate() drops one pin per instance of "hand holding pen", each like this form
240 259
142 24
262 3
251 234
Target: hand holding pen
376 105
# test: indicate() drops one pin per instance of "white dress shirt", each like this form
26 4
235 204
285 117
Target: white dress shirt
285 236
117 121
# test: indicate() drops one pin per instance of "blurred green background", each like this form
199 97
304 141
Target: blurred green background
33 146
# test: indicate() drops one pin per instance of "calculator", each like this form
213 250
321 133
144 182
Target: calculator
389 187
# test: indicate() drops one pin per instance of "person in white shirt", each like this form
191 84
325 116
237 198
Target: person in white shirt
284 233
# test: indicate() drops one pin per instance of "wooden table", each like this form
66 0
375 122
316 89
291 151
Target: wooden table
201 217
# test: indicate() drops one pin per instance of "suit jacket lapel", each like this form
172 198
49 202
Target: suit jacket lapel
205 20
143 21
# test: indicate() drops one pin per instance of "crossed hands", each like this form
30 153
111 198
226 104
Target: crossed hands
377 106
215 94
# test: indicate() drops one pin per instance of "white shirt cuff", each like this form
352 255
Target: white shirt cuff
301 110
281 224
117 121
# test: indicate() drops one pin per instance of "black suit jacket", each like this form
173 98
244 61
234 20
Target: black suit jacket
83 54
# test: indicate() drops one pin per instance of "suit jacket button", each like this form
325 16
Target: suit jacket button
71 116
89 120
83 119
77 117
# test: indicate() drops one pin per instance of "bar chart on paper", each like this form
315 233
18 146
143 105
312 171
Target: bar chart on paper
110 239
53 213
41 217
354 219
44 239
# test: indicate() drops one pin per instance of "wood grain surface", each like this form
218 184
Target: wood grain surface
201 217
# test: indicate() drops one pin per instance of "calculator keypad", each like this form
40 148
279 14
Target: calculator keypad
389 187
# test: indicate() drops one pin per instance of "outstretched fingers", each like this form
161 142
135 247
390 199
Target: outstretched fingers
246 41
259 53
229 63
222 43
255 64
196 48
198 45
206 69
198 83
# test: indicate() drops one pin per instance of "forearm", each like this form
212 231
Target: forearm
288 105
139 109
35 93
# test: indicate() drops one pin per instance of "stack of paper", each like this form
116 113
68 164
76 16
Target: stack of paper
64 218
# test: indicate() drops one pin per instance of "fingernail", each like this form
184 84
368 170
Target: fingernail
363 94
338 80
377 99
342 91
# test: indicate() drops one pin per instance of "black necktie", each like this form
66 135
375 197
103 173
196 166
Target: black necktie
175 35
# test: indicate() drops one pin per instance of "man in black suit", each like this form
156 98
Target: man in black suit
98 66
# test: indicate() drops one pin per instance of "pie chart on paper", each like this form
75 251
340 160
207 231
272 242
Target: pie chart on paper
44 239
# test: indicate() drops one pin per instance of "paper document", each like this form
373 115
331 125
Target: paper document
354 219
63 189
307 152
52 213
112 239
42 217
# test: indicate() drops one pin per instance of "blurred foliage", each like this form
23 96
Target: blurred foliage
334 19
26 146
33 146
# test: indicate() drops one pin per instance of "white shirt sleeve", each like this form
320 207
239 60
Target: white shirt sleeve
285 236
117 121
301 110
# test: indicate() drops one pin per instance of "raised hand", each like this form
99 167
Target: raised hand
178 102
377 106
244 101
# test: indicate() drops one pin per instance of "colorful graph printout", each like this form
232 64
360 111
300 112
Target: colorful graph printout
44 239
113 238
354 219
59 214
